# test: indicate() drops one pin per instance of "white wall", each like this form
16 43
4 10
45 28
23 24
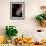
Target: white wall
26 26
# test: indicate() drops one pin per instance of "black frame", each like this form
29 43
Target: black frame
13 9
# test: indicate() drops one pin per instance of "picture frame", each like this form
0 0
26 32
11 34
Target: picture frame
17 10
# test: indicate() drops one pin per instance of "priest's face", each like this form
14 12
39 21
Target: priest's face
44 10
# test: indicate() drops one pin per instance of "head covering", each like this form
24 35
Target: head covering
42 7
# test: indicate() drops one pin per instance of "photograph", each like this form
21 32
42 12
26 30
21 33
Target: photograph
17 10
22 22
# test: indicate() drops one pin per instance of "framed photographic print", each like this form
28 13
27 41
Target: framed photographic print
17 10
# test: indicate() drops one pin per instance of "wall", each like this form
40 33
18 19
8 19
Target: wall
27 26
